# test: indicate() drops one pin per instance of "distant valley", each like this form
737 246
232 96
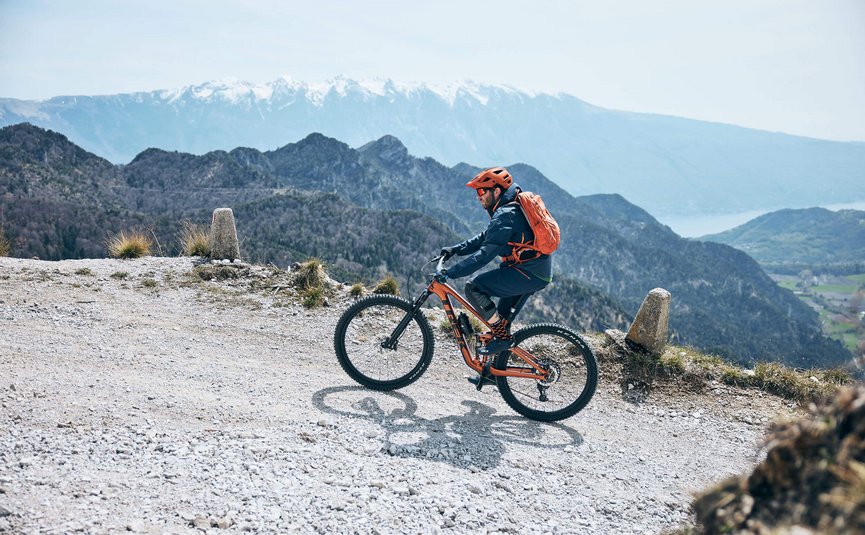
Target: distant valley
818 254
377 209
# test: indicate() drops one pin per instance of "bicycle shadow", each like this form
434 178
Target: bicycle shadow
476 438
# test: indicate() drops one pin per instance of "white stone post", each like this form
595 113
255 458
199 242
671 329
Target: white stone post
652 324
223 236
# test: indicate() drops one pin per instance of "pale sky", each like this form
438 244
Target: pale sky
795 66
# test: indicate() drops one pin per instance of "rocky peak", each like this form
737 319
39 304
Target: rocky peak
35 145
388 150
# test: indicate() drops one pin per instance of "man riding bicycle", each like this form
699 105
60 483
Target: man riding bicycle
522 271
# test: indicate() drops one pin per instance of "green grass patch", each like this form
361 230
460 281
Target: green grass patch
835 288
698 369
788 284
859 279
850 341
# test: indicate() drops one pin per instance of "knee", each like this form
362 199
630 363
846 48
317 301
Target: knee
469 287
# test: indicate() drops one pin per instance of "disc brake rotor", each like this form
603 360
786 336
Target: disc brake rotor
553 369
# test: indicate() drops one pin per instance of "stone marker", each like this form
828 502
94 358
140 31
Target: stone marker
652 324
223 236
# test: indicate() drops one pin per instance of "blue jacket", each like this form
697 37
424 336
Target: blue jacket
507 225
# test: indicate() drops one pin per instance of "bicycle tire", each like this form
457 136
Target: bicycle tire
574 373
358 339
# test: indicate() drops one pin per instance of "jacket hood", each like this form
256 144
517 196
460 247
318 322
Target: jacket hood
508 196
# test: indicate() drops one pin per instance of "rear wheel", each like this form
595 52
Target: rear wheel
572 373
359 343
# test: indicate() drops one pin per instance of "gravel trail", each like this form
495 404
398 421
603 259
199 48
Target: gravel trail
136 397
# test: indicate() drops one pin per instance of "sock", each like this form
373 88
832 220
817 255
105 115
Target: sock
501 329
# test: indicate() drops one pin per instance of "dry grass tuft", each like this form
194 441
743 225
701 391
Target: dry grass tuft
194 240
5 244
133 244
310 275
313 297
387 285
357 290
310 279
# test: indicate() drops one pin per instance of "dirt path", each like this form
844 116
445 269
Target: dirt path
150 403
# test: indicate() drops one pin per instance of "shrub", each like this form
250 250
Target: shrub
357 290
119 275
134 244
84 271
387 285
811 480
149 283
194 240
5 244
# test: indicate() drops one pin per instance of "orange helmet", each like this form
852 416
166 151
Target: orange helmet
492 177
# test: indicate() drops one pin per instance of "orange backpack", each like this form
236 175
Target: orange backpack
543 225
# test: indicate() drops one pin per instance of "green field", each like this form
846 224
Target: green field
838 299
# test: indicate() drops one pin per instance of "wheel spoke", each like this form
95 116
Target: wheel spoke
571 374
359 339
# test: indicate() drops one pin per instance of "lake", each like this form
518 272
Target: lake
693 226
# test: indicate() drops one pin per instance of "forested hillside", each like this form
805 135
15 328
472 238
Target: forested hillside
377 209
799 239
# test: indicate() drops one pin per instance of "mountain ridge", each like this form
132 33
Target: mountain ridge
667 164
811 236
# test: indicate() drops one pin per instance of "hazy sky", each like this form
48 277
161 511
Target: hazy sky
795 66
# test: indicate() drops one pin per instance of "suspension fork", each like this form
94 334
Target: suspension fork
393 339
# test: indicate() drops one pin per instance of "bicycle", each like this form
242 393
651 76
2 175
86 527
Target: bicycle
385 342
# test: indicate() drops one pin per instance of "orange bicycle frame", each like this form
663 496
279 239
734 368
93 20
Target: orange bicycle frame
445 293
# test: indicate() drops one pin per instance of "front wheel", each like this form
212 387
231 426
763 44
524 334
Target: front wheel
572 373
360 345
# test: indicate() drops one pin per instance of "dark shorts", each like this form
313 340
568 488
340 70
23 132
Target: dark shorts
507 283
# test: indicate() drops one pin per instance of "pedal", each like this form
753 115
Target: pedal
495 346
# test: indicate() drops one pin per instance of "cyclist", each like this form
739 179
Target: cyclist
521 272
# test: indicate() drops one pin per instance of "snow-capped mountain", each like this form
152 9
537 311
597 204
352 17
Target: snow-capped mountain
665 164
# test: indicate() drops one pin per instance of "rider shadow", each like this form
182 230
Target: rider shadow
476 438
